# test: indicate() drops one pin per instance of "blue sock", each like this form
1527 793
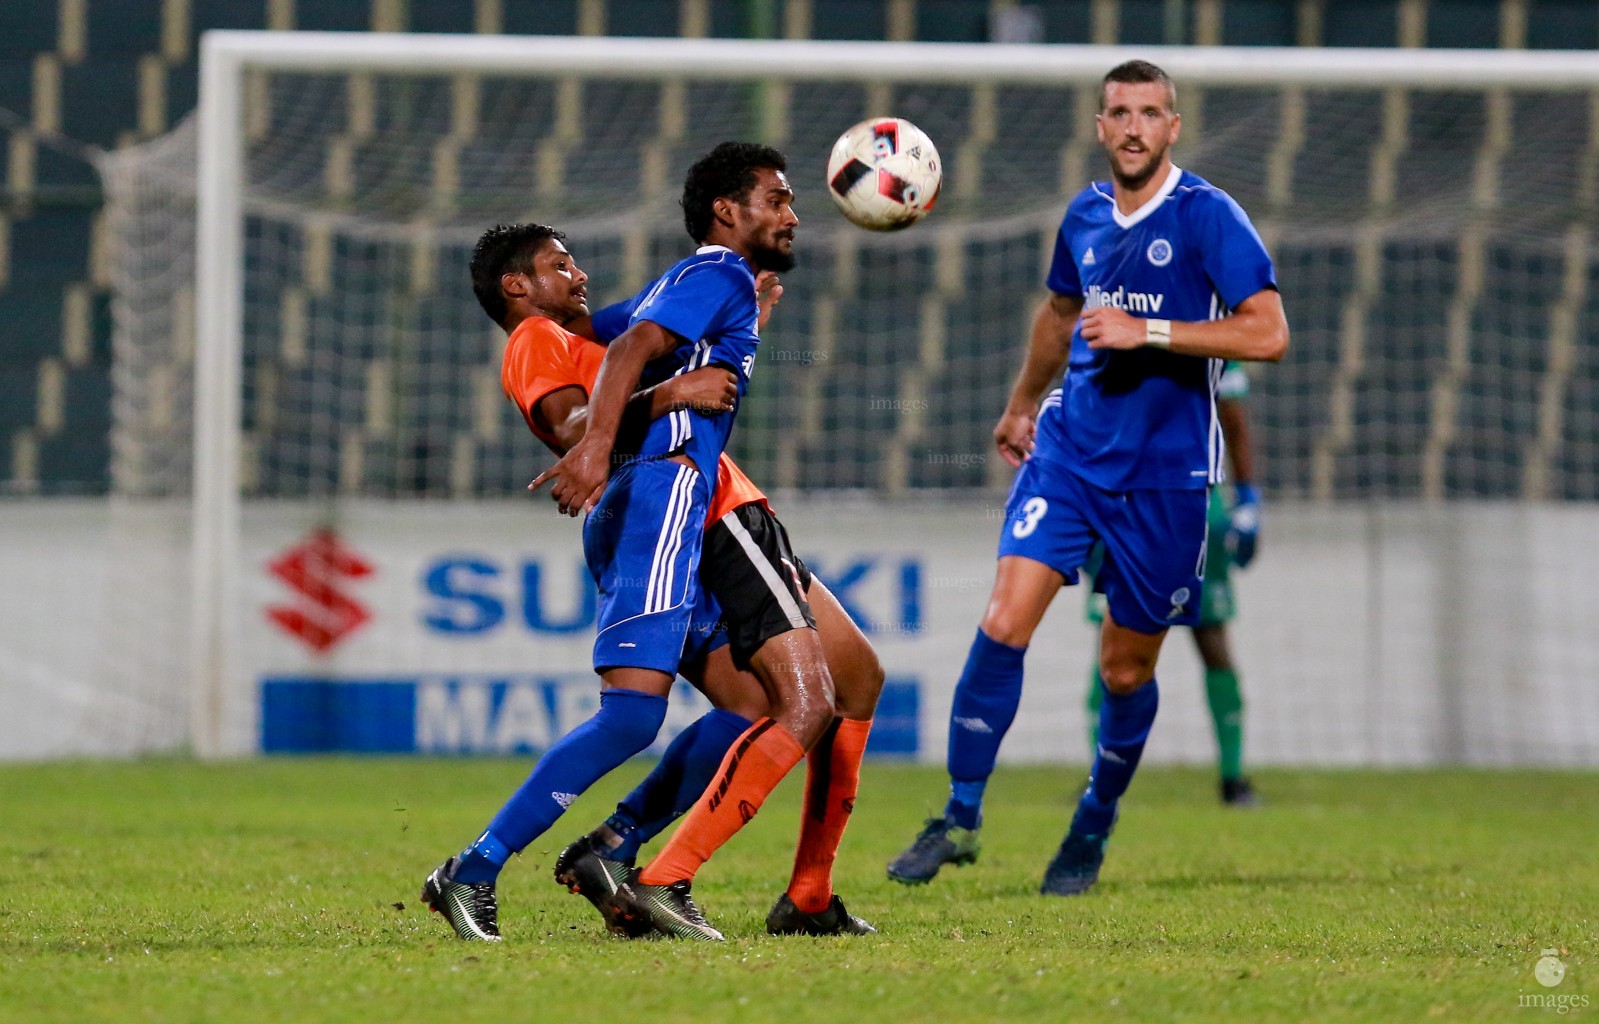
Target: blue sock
625 724
687 767
986 697
1124 724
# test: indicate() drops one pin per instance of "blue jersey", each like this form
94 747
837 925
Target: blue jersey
708 302
1146 418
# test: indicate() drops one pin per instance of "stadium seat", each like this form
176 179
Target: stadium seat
848 19
245 14
443 16
68 176
1238 130
86 406
1537 165
548 18
16 82
19 398
182 92
1464 24
1259 23
338 16
1018 161
952 21
30 28
1068 22
1562 25
641 18
50 247
1360 23
32 315
73 463
1332 170
100 100
1441 157
1296 395
122 29
1143 23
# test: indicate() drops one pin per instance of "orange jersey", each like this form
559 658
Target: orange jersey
542 357
733 489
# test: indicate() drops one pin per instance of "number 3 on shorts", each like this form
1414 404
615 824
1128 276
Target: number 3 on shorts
1031 512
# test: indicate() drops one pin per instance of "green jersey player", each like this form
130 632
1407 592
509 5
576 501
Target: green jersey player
1234 526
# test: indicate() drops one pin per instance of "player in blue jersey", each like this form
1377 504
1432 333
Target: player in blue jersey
1157 279
643 541
1234 531
646 505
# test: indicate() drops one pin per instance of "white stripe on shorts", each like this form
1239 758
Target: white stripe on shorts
757 557
657 592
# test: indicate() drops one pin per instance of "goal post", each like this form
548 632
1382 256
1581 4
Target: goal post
908 351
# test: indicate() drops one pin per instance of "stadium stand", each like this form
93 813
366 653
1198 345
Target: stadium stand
107 73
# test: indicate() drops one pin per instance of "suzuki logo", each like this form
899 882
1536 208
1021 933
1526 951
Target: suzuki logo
323 616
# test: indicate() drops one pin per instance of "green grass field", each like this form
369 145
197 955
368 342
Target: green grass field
286 890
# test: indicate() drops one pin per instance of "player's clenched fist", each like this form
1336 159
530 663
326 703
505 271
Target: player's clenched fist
1109 327
578 479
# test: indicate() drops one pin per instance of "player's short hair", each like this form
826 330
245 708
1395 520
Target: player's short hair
1139 72
505 249
728 171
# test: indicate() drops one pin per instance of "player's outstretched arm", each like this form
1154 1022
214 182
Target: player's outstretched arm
577 479
1047 350
1257 331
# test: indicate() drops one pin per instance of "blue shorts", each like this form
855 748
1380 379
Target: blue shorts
642 543
1154 541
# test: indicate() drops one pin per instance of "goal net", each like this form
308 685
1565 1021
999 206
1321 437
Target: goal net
301 362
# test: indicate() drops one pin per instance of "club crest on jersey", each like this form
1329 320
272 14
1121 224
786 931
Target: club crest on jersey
1179 601
1159 252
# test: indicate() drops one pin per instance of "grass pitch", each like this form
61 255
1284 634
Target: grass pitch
286 890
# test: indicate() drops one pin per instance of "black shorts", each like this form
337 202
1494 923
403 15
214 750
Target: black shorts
748 565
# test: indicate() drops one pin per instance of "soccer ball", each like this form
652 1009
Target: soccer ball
884 174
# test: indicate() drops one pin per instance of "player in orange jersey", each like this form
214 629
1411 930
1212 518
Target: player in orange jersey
535 290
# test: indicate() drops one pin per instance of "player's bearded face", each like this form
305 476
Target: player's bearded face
1137 126
769 221
560 287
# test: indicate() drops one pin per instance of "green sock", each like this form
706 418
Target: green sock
1227 713
1096 697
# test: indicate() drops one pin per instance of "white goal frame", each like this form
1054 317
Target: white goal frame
227 56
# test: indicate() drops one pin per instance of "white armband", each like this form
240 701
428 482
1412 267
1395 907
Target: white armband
1157 333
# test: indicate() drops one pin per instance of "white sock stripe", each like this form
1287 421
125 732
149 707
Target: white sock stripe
757 557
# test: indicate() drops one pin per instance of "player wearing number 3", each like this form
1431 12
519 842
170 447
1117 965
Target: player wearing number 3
1158 278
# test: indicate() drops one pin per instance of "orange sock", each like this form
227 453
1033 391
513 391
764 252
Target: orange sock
833 773
753 767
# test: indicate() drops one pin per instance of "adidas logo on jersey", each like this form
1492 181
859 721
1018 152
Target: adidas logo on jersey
564 799
1088 257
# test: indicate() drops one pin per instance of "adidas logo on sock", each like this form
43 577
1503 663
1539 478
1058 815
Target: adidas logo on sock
564 799
974 725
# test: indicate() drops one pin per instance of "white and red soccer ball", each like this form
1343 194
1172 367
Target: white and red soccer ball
884 174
